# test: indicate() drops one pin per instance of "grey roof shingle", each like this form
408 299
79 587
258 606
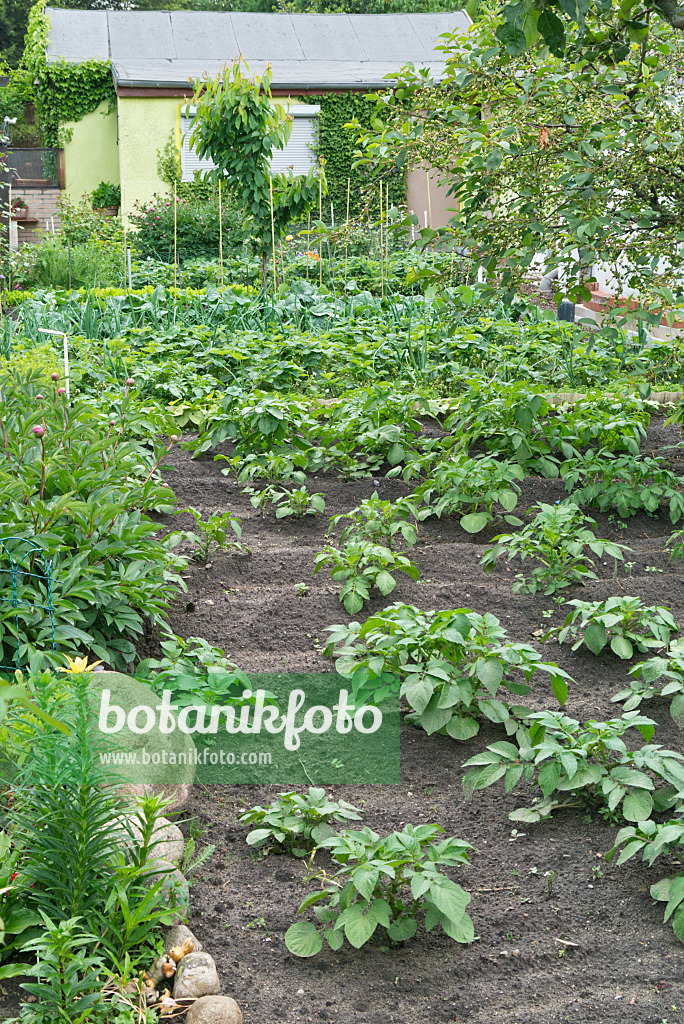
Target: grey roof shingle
167 48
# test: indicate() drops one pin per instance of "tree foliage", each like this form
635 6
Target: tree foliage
581 161
238 127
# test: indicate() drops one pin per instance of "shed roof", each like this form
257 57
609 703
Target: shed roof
306 51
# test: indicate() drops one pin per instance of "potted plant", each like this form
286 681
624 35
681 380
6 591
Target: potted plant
106 199
19 209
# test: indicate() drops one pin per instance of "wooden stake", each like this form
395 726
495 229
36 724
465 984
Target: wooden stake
320 217
427 176
275 276
308 239
175 243
346 232
382 276
220 237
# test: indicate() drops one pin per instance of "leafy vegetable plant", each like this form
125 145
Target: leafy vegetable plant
380 521
582 765
360 565
627 483
298 503
214 530
194 671
624 622
669 668
450 666
471 488
557 539
297 822
385 883
653 840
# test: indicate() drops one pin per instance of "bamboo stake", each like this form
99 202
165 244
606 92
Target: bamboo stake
382 276
275 276
308 239
346 232
220 237
320 217
175 243
125 233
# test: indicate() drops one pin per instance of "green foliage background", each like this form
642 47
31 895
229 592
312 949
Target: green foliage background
338 145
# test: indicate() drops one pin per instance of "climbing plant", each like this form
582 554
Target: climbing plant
62 92
339 144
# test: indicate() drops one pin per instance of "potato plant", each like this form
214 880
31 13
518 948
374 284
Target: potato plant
212 531
622 622
626 483
449 665
669 668
296 822
359 566
385 883
470 488
559 540
653 840
380 522
589 766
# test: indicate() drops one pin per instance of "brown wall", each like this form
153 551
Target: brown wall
417 197
42 205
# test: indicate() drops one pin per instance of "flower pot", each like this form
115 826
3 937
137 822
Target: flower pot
106 211
20 213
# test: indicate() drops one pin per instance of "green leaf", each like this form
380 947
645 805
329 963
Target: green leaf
475 522
302 939
335 939
358 928
403 929
622 647
385 583
462 728
596 637
637 805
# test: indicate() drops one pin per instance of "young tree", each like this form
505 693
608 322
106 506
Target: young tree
578 160
238 127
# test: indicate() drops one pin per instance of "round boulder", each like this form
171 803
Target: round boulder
196 976
214 1010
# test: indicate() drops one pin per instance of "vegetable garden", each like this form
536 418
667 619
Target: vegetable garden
474 508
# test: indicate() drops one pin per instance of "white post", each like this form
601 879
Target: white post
426 218
130 276
61 334
332 216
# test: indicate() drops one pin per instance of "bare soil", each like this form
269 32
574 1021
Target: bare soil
591 949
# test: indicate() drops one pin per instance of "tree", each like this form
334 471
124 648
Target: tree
579 161
238 127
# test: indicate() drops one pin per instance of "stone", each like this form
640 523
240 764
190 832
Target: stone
196 976
174 882
178 934
178 796
167 839
214 1010
171 756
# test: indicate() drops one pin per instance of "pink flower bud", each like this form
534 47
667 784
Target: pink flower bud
39 398
130 383
61 391
39 431
174 438
54 376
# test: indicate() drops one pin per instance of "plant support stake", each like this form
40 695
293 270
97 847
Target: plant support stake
220 236
346 232
175 243
270 192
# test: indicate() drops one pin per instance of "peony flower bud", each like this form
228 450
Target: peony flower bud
130 382
39 431
61 391
54 376
39 398
174 438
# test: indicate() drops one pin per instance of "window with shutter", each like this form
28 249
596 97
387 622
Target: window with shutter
298 154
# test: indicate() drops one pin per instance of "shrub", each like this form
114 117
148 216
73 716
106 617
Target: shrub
76 485
106 194
197 227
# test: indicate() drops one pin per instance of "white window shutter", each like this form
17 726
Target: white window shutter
298 153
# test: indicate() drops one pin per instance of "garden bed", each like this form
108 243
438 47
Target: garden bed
593 948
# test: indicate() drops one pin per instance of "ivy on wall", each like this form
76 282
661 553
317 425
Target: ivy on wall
63 92
338 145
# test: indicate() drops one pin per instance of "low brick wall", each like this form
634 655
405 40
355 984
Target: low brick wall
42 205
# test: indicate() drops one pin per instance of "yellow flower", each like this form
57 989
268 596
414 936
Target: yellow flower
288 238
79 665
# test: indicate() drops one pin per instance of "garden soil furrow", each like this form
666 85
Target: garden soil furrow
591 949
